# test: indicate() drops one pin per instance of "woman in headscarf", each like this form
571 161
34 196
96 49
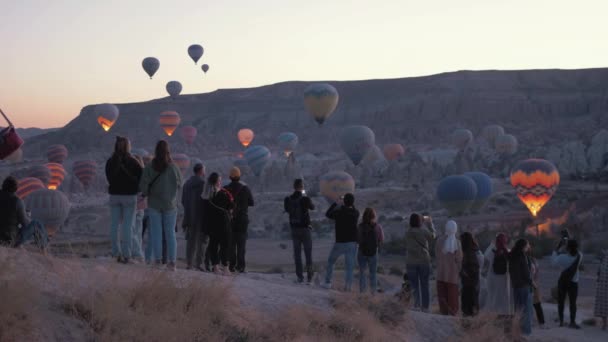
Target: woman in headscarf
499 298
469 276
448 252
218 204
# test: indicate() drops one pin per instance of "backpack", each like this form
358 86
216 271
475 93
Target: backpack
500 263
297 216
369 241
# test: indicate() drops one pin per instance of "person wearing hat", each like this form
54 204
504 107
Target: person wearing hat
243 199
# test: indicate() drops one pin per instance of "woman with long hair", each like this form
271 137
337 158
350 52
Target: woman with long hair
418 259
569 262
160 183
123 173
469 274
370 236
521 279
496 266
448 253
218 204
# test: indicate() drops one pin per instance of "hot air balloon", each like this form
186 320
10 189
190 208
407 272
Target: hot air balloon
28 185
393 151
174 88
535 181
257 158
506 144
457 194
336 184
491 132
195 52
169 120
150 65
461 138
205 68
288 142
57 154
356 141
321 99
373 156
189 134
107 114
182 161
85 171
57 175
51 208
484 189
41 172
15 157
245 136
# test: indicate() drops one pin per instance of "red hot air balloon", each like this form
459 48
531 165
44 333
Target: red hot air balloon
57 154
535 181
169 120
41 172
57 175
245 136
28 185
182 161
85 171
189 134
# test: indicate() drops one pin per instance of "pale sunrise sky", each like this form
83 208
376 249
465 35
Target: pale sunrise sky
57 56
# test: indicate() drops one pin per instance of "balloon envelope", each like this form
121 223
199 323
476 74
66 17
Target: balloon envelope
535 181
150 65
288 142
484 189
174 88
107 114
41 172
335 184
195 52
57 154
356 141
393 151
189 134
57 175
457 194
205 68
85 171
182 161
506 144
28 185
461 138
321 99
245 136
491 132
51 208
169 120
257 158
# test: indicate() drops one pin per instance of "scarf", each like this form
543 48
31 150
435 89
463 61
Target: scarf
450 245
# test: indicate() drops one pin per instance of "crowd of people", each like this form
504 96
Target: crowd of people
144 199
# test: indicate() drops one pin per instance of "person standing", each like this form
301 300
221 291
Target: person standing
448 252
346 217
536 296
196 238
567 285
243 199
521 279
499 296
418 259
601 294
218 206
370 237
123 173
160 183
298 206
12 213
472 261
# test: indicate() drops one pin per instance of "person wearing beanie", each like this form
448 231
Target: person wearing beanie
243 199
448 252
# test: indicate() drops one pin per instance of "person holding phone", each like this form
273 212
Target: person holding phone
418 259
298 206
567 284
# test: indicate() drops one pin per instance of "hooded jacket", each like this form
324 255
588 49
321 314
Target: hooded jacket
123 175
346 222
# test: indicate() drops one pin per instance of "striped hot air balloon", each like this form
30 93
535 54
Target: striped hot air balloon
257 158
321 100
245 136
85 171
189 134
41 172
51 208
535 181
182 161
107 114
57 175
335 184
57 154
288 142
457 194
28 185
393 151
169 120
356 141
484 189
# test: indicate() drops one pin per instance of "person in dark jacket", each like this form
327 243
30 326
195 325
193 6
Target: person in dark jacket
521 281
469 274
346 217
196 237
123 173
298 206
243 199
12 213
218 206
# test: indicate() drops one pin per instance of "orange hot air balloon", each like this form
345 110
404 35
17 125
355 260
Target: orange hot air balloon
245 136
189 134
169 120
535 181
28 185
57 175
393 151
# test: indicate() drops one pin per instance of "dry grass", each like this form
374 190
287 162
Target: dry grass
487 327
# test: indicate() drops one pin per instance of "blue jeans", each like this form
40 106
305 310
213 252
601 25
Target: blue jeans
136 235
522 296
364 261
349 250
33 230
418 276
162 222
122 209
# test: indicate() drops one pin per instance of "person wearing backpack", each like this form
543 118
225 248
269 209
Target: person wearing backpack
243 199
370 236
569 262
496 259
346 217
298 206
448 252
521 279
418 258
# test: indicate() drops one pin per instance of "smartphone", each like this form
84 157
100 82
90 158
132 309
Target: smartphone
304 192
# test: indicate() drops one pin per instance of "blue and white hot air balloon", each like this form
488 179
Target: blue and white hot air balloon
288 142
457 194
484 189
257 158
